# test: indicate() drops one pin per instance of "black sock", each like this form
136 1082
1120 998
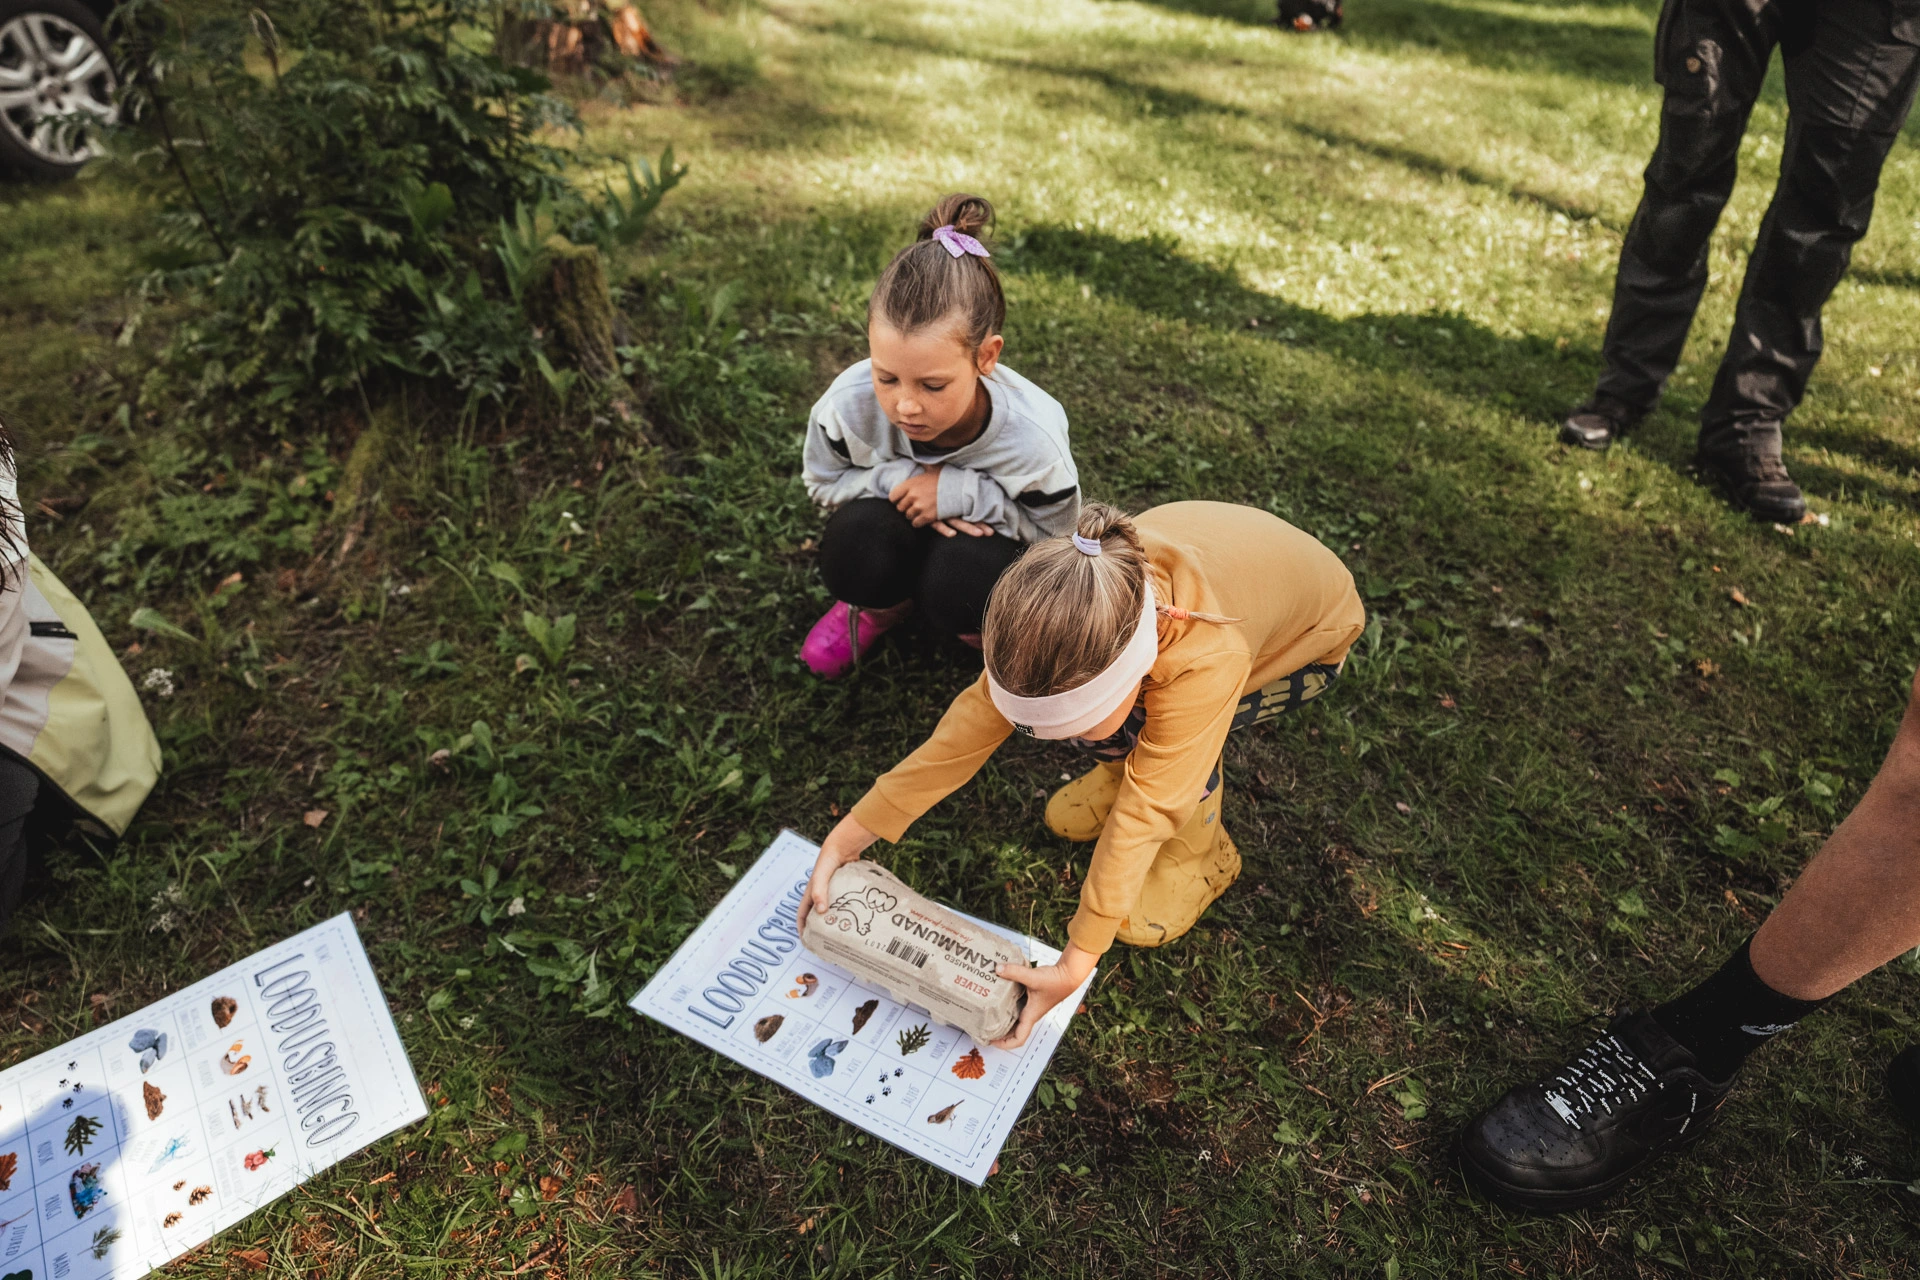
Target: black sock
1731 1014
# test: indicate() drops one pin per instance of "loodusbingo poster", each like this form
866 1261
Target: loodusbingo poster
128 1146
743 985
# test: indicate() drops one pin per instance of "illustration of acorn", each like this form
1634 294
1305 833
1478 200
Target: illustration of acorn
863 1013
763 1030
224 1007
971 1065
154 1099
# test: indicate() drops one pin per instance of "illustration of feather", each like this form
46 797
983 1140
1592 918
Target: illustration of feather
175 1148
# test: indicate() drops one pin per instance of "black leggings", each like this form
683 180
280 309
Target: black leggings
873 557
19 789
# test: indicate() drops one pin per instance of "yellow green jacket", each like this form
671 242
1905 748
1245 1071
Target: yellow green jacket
68 709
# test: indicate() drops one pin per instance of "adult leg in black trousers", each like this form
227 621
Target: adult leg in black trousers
19 789
1848 94
1850 83
959 575
1711 56
871 555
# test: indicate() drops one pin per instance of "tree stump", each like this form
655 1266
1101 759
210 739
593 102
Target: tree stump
572 303
583 35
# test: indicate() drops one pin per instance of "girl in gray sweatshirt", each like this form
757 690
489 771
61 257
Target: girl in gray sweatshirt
937 463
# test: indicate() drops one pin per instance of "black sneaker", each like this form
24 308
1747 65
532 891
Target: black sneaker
1570 1141
1745 462
1598 423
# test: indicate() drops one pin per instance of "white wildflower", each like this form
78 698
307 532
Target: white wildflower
160 681
518 907
466 1023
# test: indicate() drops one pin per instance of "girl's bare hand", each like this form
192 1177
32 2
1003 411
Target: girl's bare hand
1047 986
843 844
953 524
918 498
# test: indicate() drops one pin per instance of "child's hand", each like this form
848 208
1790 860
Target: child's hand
1046 987
919 498
843 844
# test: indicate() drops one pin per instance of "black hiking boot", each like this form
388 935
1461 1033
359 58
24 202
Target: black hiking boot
1569 1141
1744 460
1598 423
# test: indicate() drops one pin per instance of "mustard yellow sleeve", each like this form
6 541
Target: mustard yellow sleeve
970 731
1187 723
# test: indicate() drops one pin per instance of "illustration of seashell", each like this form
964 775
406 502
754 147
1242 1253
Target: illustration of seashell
224 1007
862 1014
763 1029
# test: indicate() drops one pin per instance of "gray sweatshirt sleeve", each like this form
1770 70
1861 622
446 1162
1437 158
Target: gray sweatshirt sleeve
831 478
977 496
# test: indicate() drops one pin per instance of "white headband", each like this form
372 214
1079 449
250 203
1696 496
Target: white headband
1073 712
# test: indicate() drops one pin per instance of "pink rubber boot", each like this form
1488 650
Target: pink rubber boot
831 648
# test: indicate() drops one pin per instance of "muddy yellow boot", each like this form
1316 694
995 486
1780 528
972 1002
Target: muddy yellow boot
1192 869
1078 810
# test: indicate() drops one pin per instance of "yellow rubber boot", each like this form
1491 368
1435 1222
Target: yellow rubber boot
1192 869
1079 810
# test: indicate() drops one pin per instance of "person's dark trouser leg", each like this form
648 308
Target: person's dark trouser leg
1711 55
959 576
1848 94
871 555
19 789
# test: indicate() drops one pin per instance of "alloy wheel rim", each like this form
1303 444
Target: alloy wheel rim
56 86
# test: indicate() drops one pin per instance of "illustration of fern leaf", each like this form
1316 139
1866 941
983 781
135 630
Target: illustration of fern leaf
81 1133
914 1039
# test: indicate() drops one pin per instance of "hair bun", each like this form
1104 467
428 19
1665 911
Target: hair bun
967 214
1100 521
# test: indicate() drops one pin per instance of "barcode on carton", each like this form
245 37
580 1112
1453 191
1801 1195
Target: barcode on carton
905 950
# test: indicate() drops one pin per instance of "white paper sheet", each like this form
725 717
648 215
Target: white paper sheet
116 1158
738 985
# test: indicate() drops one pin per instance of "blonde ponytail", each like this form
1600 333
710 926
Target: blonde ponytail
1060 615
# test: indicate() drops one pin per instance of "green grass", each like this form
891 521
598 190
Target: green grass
1567 769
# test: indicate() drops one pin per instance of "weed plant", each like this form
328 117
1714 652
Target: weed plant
531 721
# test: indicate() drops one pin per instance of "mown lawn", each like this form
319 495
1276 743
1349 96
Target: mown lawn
1596 725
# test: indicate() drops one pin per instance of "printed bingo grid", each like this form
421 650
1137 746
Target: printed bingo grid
138 1141
743 985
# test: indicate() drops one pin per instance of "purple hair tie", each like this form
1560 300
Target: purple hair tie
957 243
1086 546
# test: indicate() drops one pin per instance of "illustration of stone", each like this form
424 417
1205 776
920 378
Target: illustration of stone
971 1065
9 1165
763 1029
944 1114
154 1099
84 1191
81 1134
807 982
224 1007
855 911
914 1039
103 1240
820 1057
151 1045
201 1193
863 1013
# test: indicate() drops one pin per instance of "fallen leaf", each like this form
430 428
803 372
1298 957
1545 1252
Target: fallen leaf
1739 597
626 1200
549 1186
807 1226
314 817
251 1259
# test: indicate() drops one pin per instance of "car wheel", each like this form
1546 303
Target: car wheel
57 86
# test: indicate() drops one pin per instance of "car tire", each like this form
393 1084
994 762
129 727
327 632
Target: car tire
52 53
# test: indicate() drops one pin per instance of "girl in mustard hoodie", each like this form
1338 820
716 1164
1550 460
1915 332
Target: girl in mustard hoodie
1145 642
